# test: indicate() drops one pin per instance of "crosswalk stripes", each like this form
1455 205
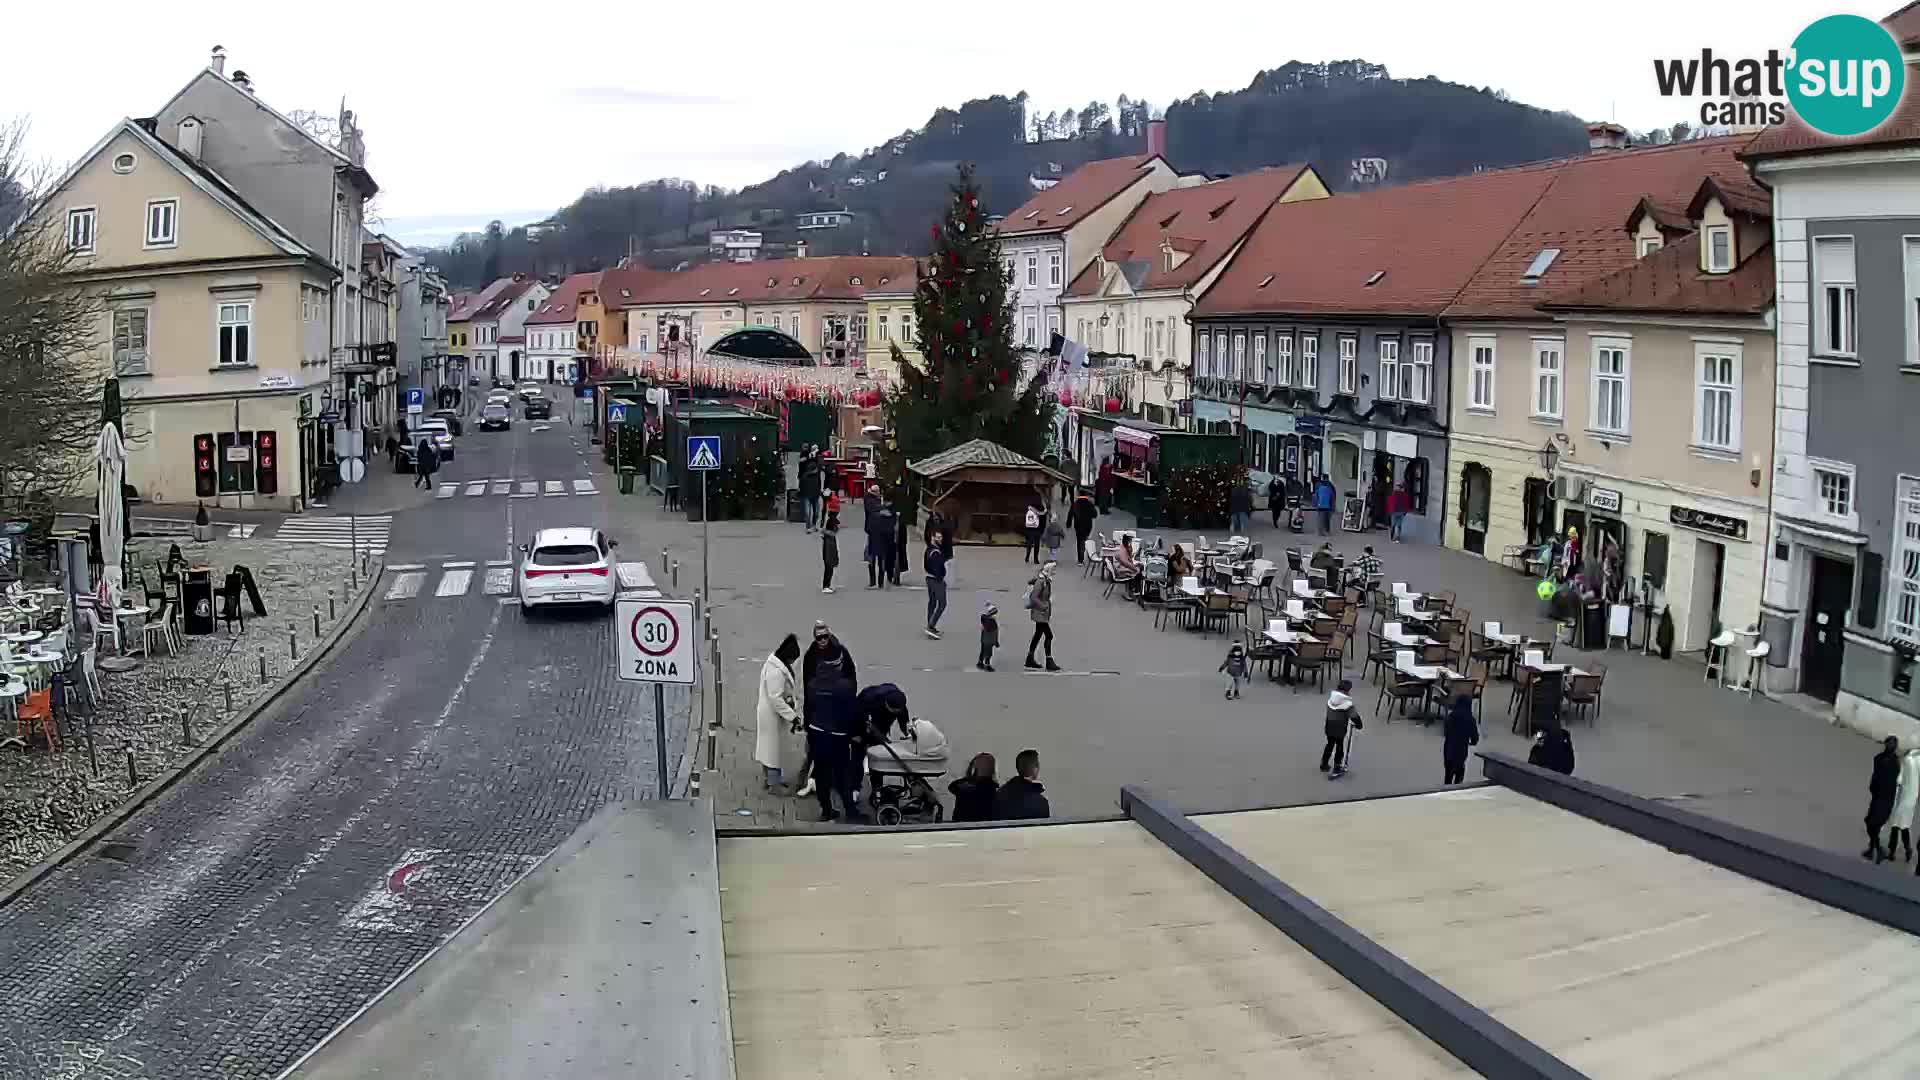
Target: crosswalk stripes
555 487
454 583
241 532
368 533
499 581
446 491
584 487
502 487
407 585
529 489
476 487
456 578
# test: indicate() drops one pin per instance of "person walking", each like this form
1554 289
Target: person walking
1235 665
973 793
426 462
1323 504
879 544
934 562
1055 534
1882 785
1462 731
1905 793
1082 512
1103 486
1030 530
1040 606
901 512
1398 504
1239 507
776 712
1341 722
829 553
989 635
1023 798
810 484
1276 498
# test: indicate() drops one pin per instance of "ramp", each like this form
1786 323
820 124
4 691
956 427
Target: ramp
1082 950
604 962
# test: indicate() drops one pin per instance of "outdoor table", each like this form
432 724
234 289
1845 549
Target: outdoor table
1520 716
11 691
24 637
1411 641
121 615
1280 634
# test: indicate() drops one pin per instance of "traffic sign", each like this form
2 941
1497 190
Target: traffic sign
654 640
416 399
616 414
703 452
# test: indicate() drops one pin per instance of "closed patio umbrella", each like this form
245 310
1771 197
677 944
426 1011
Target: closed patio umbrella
110 456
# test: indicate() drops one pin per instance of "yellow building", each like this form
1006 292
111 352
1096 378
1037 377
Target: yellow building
887 322
214 317
819 302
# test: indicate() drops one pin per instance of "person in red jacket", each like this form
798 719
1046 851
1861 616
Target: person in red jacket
1398 505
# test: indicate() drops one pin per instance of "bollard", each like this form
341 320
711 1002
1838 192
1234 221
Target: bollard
696 605
293 644
93 755
133 774
676 574
263 665
226 687
186 726
663 560
316 622
331 613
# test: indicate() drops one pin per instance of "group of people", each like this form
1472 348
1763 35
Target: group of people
1892 793
841 721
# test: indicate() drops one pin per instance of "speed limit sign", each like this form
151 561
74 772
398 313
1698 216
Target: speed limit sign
653 640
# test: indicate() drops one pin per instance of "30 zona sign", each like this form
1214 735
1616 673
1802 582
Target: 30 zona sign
653 640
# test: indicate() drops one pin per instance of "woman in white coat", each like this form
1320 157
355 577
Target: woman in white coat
1905 794
777 712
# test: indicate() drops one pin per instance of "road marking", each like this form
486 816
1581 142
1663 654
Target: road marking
454 583
455 565
406 586
505 600
555 487
445 491
499 582
477 487
397 567
542 427
501 487
529 487
584 487
499 562
241 532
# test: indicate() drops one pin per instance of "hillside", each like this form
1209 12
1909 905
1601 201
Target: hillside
1330 114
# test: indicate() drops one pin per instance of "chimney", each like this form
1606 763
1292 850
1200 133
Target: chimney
241 80
800 249
188 139
1605 136
1156 138
219 61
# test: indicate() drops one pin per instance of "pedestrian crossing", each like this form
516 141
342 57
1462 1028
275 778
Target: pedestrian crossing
368 533
512 488
448 581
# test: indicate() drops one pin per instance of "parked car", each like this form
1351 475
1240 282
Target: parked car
566 566
437 430
539 408
452 417
495 416
530 390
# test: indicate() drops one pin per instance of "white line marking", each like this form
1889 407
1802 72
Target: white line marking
455 565
406 586
477 487
499 562
499 582
529 487
397 567
501 487
445 491
509 600
584 487
454 583
554 487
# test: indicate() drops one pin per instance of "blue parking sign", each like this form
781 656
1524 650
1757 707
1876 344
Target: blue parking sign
703 452
416 399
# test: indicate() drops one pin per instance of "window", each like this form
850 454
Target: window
1719 249
1032 330
1389 368
1611 399
1546 377
1200 360
886 334
1647 245
1220 356
1053 322
1349 365
1480 358
1905 622
1120 338
236 333
1239 369
1833 271
1053 269
80 230
1283 360
1833 492
1259 371
1033 269
130 341
1310 361
1418 375
124 163
162 221
1007 264
1717 387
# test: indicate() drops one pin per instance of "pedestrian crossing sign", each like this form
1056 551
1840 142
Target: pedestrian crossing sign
703 451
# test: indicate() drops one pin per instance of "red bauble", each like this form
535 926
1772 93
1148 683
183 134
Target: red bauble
1113 404
1066 396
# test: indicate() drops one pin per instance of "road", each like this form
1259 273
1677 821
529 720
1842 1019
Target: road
442 750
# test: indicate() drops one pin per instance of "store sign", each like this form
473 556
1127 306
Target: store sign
239 453
1604 499
1310 425
1707 521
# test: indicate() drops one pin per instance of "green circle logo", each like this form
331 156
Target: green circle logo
1847 75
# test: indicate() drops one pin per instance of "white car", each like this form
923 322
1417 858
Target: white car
530 390
567 566
437 430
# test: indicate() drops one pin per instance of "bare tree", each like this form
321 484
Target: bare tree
50 374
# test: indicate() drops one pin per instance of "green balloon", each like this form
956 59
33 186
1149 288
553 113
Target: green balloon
1544 590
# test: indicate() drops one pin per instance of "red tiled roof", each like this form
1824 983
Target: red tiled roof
1670 281
563 306
1078 194
1580 214
1794 137
513 339
465 304
830 277
1316 256
513 288
620 285
1666 217
1205 222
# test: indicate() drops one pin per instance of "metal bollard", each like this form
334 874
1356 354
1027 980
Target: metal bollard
263 665
663 560
316 621
293 644
696 606
93 755
676 574
133 773
186 726
226 687
331 613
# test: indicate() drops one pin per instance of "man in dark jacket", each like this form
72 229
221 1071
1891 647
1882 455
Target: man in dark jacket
810 485
1276 498
1462 731
879 525
826 652
1082 514
833 719
1880 790
1553 749
1023 798
901 512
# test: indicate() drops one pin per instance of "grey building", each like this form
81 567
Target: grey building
424 304
1842 602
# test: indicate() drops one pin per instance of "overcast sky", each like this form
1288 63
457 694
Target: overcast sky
475 111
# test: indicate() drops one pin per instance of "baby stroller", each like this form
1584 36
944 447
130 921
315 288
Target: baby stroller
1296 515
901 773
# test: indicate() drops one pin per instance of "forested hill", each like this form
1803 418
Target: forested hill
1330 115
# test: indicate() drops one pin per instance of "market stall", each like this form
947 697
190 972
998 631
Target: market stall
1155 467
984 489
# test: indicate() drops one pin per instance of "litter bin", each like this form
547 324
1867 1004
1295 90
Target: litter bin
197 600
626 481
796 514
1593 626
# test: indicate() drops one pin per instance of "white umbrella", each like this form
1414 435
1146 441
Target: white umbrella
110 454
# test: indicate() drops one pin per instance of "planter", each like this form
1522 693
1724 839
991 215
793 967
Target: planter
203 534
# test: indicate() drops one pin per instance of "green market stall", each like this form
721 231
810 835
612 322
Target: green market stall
748 482
1163 475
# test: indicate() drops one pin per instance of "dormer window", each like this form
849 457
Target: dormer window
1265 281
854 280
771 282
1031 214
1719 244
735 291
704 292
1537 269
1646 245
1374 278
1214 214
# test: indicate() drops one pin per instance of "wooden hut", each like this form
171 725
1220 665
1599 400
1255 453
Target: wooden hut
984 489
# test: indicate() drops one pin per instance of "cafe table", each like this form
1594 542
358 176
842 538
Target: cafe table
1525 704
121 616
24 637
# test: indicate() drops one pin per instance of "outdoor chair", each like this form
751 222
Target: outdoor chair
230 609
1583 693
1262 651
35 711
1435 653
1401 689
1350 627
1215 607
1312 657
1118 576
1238 601
1091 559
1522 689
1439 601
1177 608
1295 561
160 628
1379 656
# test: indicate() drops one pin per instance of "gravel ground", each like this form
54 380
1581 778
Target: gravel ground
46 799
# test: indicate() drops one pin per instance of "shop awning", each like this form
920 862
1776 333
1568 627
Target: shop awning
1133 436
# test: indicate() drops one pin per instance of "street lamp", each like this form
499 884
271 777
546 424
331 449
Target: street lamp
1549 456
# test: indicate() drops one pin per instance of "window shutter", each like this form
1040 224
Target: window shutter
1866 612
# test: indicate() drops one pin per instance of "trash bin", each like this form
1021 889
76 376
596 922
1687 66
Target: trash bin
626 481
197 600
796 514
1593 626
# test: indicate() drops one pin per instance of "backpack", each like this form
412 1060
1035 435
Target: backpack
1033 518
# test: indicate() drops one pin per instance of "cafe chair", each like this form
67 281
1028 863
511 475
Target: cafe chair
1756 664
1523 677
1350 627
1239 599
1474 685
35 711
1176 608
231 613
1091 559
1379 657
1440 601
1118 576
1260 650
1215 607
1583 692
1315 657
160 628
1437 653
1402 689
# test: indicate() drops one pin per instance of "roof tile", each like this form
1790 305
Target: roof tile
1077 195
829 277
563 305
1205 222
1670 281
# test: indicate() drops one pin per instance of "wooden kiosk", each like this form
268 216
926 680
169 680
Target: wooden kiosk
983 488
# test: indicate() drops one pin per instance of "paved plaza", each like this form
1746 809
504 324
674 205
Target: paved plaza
1140 705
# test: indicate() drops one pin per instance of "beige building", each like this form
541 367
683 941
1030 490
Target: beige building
1134 296
1652 388
214 317
819 302
888 322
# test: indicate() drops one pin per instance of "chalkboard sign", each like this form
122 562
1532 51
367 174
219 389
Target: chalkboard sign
1654 561
1350 517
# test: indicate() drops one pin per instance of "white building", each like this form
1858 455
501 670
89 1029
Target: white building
553 331
734 245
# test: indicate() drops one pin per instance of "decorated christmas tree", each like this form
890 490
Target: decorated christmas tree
970 386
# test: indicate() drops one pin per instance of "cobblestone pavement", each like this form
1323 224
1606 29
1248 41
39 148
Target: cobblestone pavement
46 799
444 749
